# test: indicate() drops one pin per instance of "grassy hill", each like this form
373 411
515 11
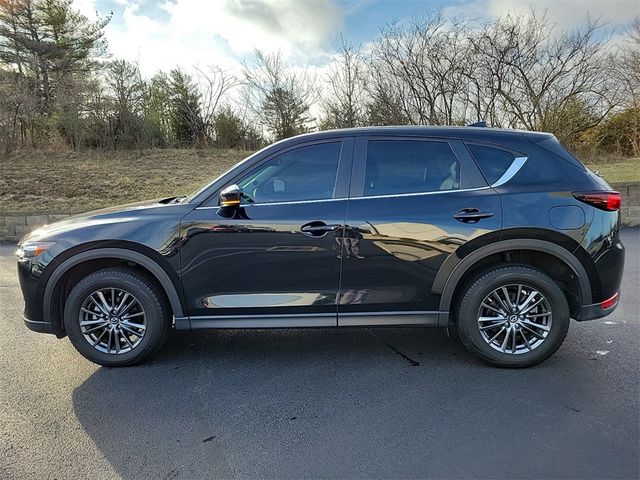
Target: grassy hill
68 182
71 182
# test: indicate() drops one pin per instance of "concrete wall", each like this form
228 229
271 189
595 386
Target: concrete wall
13 226
630 202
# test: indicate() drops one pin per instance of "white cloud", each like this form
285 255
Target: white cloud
565 13
203 32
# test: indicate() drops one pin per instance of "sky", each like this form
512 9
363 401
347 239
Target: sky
160 35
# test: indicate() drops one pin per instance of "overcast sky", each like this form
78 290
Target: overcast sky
168 33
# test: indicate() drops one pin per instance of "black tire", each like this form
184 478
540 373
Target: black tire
157 318
468 312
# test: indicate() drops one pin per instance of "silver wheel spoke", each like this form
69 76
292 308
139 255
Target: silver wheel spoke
536 325
497 334
538 335
505 293
122 300
505 341
528 300
99 338
124 335
133 325
109 341
537 315
128 307
93 322
531 307
497 298
493 325
97 327
491 319
106 306
116 336
484 304
526 340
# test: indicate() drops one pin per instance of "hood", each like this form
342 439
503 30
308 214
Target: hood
117 214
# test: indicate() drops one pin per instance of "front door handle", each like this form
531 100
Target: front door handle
471 215
318 229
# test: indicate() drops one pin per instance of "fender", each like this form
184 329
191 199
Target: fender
117 253
454 268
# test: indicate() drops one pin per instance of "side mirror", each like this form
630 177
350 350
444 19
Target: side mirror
231 196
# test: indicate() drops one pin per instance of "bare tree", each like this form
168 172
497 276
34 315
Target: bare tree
345 105
214 85
539 75
278 96
629 65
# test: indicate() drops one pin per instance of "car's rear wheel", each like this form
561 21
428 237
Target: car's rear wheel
513 316
116 317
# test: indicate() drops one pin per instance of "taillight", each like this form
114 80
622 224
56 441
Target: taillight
610 302
610 201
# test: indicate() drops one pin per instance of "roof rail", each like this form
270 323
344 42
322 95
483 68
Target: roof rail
478 124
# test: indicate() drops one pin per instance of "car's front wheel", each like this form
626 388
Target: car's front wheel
513 316
116 317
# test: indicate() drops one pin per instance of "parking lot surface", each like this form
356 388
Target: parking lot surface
329 403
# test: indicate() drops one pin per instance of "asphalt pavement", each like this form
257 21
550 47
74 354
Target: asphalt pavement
322 403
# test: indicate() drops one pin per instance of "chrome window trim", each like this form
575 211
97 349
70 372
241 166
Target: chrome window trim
413 194
355 198
514 168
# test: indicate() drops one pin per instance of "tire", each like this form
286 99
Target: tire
479 317
145 324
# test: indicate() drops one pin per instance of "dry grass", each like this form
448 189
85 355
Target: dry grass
71 182
624 170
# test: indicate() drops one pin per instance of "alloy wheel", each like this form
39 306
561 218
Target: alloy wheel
515 319
112 320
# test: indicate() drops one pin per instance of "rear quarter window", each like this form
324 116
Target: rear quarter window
493 162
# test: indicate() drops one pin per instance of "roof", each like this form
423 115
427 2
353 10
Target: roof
479 133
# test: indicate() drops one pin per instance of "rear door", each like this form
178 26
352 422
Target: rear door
414 202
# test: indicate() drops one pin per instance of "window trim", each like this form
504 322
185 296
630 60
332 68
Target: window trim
468 175
341 186
519 159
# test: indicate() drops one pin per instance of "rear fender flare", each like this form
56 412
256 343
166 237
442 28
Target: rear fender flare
454 269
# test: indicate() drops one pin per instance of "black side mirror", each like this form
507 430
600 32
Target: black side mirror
231 196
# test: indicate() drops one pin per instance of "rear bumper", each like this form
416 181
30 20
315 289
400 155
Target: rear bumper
38 326
598 310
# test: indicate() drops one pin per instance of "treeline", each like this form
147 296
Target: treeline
58 86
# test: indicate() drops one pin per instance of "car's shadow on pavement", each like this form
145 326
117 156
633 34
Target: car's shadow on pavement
328 403
176 416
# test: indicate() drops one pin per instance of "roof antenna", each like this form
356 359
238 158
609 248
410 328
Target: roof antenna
481 123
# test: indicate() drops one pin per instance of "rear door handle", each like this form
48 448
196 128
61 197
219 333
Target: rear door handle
471 215
318 229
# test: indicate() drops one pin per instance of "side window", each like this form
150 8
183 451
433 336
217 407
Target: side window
306 173
493 162
410 166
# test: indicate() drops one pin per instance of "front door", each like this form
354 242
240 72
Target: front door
273 260
414 202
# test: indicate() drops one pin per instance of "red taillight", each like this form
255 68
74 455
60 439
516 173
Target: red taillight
610 201
610 302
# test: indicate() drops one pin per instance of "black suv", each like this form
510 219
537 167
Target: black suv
500 234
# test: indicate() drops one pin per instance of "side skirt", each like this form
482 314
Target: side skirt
365 319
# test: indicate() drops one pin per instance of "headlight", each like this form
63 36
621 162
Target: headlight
33 249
